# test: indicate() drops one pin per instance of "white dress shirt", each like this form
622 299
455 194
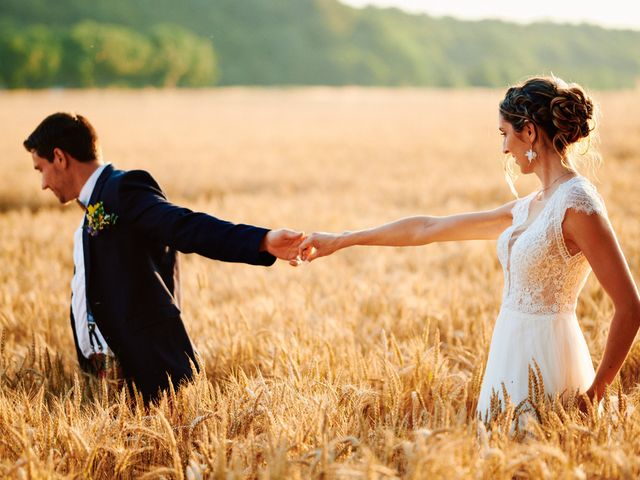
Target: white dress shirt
88 343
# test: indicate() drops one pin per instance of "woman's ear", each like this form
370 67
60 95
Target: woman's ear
531 132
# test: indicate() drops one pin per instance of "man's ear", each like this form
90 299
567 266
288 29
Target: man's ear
60 159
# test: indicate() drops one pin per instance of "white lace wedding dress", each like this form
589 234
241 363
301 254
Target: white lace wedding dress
537 320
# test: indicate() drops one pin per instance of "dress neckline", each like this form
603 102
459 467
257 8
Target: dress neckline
527 207
546 203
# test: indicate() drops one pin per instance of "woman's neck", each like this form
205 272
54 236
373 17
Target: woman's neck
552 173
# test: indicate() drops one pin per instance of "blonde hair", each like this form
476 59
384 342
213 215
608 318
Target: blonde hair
564 112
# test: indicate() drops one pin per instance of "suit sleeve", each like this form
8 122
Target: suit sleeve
144 207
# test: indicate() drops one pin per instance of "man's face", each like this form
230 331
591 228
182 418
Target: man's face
55 176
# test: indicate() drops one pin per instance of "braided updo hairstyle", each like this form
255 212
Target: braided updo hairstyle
564 112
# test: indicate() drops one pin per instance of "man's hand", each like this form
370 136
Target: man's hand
283 244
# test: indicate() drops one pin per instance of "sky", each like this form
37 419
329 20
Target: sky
606 13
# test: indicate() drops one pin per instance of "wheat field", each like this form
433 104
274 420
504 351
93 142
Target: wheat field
366 364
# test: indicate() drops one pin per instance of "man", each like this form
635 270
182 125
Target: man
125 288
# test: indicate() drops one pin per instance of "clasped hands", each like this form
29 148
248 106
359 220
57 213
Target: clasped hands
296 247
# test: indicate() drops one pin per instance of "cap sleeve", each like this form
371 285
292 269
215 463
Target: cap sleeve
581 196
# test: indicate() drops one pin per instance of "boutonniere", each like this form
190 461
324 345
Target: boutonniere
98 219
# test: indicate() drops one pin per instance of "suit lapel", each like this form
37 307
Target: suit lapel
95 195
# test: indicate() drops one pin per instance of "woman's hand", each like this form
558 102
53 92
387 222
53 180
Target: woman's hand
594 393
319 244
585 399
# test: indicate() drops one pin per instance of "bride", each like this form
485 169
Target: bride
548 242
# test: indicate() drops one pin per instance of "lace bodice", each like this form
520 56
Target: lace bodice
541 277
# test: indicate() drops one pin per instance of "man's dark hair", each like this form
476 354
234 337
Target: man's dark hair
70 133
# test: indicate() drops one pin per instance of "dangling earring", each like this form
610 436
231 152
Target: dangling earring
531 155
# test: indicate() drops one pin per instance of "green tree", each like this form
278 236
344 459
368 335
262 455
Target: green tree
181 58
105 55
31 56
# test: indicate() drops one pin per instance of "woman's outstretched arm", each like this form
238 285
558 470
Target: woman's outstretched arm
594 236
413 231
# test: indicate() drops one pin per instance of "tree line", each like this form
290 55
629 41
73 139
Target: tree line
87 43
92 54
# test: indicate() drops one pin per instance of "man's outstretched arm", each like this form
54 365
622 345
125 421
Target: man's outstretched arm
144 208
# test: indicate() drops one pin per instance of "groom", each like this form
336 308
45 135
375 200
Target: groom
125 303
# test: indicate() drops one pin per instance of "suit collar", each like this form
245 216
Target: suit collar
97 190
89 186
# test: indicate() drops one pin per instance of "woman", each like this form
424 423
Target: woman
547 244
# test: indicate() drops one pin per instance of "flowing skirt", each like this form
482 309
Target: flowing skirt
555 342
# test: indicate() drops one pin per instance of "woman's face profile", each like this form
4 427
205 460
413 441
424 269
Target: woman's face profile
514 145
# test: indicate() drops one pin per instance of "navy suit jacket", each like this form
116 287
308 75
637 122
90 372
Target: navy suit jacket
132 274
